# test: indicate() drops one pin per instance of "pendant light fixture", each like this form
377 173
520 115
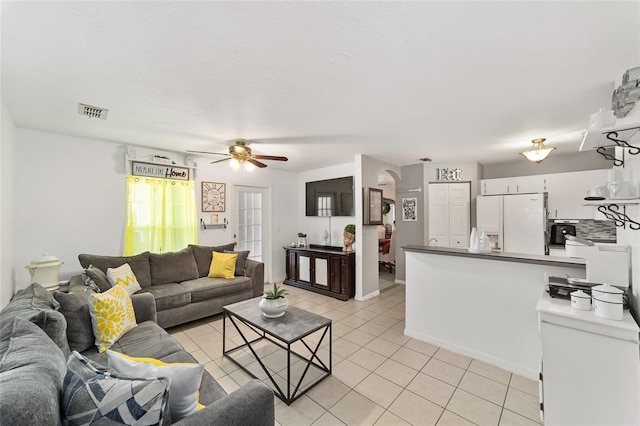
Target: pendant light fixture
538 151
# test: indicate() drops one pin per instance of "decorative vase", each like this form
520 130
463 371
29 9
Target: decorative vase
348 239
274 308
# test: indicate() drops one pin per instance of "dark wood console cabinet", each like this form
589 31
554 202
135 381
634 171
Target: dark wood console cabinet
322 269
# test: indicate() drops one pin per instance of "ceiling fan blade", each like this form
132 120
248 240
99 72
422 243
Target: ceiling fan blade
206 152
257 163
271 157
219 161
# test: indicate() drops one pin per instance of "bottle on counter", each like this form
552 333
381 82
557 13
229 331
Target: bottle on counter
473 239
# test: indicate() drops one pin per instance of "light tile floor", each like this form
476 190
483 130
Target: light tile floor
380 376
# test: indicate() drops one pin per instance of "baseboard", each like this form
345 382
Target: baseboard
368 296
403 282
480 356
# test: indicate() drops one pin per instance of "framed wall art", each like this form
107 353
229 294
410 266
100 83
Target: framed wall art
409 209
213 196
372 198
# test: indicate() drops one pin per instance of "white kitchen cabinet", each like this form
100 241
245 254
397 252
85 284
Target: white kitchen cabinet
449 214
512 185
590 367
566 192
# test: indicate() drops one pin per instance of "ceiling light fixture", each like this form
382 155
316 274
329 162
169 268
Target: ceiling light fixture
538 151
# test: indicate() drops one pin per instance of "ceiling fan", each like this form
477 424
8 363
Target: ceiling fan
240 154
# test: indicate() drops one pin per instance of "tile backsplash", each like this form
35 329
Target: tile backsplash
593 229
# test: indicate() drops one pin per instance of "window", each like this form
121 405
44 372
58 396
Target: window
161 215
325 205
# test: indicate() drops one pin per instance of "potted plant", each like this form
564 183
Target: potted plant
274 303
348 237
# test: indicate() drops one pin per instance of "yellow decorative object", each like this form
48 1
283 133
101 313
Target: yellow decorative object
112 316
123 276
223 265
185 379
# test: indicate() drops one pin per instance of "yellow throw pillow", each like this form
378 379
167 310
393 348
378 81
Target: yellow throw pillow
112 316
124 276
223 265
185 379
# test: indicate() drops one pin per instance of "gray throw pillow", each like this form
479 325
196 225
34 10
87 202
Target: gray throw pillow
95 394
75 308
139 264
32 370
241 261
204 255
173 267
98 278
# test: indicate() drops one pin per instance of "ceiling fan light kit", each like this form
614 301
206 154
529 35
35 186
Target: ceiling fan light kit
538 151
240 156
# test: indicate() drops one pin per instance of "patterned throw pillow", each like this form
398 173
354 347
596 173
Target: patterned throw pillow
123 275
93 394
223 265
112 316
185 379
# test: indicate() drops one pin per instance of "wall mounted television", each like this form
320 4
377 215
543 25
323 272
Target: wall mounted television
330 197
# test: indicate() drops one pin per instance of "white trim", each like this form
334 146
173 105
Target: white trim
368 296
403 282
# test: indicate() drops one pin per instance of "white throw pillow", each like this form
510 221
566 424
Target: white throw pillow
185 380
124 276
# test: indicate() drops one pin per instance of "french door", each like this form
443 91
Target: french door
253 219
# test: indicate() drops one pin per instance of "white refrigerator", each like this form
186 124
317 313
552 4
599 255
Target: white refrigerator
514 223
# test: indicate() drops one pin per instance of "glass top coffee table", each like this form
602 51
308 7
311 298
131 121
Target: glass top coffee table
263 344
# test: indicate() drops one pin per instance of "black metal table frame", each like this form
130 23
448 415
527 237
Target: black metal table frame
273 338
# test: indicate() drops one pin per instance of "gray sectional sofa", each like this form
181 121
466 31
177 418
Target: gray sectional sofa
178 280
36 340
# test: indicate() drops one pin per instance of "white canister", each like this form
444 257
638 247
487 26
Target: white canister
607 301
45 271
580 300
608 306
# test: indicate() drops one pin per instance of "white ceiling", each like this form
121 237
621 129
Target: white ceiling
319 81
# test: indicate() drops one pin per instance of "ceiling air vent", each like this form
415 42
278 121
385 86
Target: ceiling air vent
92 111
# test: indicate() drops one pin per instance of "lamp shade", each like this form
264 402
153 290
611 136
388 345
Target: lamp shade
538 151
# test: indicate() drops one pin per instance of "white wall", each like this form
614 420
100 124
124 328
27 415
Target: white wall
70 199
7 234
314 227
367 236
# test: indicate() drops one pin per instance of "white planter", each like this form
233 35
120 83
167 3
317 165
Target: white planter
273 308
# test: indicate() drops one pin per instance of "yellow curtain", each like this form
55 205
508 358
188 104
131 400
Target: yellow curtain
161 215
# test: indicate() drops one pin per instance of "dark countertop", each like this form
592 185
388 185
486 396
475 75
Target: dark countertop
570 262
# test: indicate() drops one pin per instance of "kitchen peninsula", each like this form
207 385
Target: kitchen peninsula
481 305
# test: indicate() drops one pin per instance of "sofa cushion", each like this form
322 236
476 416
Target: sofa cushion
147 339
124 276
112 316
185 379
32 370
98 277
96 395
172 295
36 304
223 265
173 267
75 308
209 288
139 264
204 254
241 261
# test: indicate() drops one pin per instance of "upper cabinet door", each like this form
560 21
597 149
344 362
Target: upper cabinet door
566 192
495 186
512 185
527 184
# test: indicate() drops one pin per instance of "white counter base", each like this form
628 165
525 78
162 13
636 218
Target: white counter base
482 307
